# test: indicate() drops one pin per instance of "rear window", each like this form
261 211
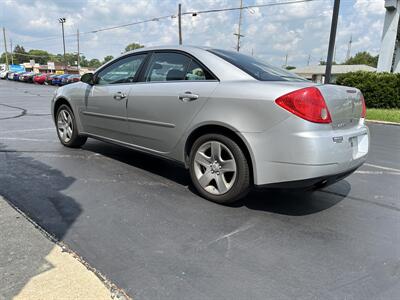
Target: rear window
256 68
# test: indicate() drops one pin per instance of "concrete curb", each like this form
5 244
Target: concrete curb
382 122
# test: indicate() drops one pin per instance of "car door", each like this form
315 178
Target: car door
173 88
104 112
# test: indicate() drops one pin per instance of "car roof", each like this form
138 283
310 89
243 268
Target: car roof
171 47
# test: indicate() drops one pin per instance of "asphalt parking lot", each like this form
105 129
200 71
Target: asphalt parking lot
136 219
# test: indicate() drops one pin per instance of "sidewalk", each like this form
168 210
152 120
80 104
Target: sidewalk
33 267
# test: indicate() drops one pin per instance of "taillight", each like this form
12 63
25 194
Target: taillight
364 107
307 103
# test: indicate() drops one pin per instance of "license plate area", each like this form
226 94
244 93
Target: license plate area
359 145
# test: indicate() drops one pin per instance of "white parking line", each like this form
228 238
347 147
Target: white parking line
381 167
376 173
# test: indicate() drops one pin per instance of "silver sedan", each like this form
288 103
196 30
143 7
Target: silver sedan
232 120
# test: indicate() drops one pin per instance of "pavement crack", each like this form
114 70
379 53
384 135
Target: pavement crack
23 112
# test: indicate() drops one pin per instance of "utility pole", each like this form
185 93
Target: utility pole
239 27
349 48
12 58
62 21
332 39
308 60
180 23
78 58
5 47
286 59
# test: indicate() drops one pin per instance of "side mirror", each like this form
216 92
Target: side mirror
88 78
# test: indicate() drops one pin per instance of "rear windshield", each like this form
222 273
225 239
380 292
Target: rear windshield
256 68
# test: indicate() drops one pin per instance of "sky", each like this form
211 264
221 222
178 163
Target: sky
298 31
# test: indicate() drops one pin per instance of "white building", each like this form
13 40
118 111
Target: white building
317 73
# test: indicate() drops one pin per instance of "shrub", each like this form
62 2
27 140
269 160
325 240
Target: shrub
380 90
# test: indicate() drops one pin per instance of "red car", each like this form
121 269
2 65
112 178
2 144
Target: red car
41 78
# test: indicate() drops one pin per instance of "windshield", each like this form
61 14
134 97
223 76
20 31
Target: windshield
258 69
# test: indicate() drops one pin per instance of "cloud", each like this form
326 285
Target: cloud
296 30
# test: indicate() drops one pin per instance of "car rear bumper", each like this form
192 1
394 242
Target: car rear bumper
305 154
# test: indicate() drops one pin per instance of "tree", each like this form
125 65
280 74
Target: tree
363 58
3 58
133 46
108 58
290 67
19 55
94 63
40 56
83 61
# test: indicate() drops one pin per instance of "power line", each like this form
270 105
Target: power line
171 16
194 13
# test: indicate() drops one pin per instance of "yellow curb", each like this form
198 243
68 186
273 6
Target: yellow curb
64 278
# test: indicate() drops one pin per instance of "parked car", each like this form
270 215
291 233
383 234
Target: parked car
49 78
57 80
64 79
232 120
10 75
27 77
3 74
39 78
73 78
16 75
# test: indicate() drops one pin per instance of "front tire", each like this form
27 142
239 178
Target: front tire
219 169
67 130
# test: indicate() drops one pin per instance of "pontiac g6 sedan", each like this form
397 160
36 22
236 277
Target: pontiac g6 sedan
232 120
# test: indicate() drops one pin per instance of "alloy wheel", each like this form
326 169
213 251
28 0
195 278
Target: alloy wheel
215 167
65 125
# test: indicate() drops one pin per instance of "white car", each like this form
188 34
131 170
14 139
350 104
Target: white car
3 74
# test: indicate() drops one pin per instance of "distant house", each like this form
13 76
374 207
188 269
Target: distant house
317 73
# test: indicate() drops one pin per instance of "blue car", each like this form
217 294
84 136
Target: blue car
57 80
16 75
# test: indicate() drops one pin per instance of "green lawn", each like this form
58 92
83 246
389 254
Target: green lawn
389 115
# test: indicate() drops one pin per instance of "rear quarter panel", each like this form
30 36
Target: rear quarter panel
246 106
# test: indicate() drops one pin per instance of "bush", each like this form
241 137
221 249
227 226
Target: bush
380 90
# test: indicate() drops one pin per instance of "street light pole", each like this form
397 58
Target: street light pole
239 27
332 39
12 58
78 58
62 21
5 47
180 23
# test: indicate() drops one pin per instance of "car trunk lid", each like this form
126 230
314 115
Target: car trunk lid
344 104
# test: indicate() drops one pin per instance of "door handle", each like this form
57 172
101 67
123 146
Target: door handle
188 96
119 96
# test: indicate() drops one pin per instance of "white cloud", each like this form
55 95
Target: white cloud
298 30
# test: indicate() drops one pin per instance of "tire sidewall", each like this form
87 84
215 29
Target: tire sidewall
242 180
75 135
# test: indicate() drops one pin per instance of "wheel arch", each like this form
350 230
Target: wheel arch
224 130
63 100
58 102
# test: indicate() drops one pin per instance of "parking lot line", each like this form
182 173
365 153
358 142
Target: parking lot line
381 167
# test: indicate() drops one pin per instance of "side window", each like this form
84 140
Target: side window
197 72
167 66
122 71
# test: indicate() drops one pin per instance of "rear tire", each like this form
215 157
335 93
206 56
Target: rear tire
67 130
219 169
